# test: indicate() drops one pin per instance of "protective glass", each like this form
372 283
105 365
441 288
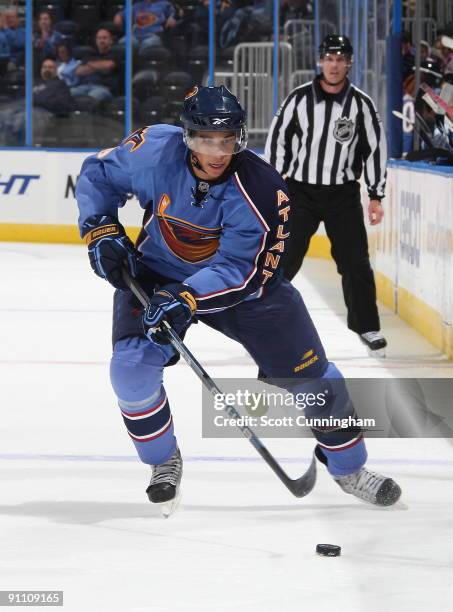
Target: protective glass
221 143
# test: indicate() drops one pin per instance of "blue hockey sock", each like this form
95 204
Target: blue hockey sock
136 376
344 461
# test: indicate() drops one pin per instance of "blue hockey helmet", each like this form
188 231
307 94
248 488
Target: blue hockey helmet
213 109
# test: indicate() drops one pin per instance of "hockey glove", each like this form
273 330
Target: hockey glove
109 249
176 304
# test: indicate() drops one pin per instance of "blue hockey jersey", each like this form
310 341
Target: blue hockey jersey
224 238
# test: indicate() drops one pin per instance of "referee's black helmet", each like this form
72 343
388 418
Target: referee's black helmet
336 44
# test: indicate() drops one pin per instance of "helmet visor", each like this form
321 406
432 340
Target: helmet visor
340 55
216 143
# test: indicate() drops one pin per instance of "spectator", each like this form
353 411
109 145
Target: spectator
51 98
441 51
150 19
438 49
447 43
51 93
295 9
4 46
225 9
46 38
193 24
99 71
435 129
247 24
448 83
16 37
424 50
67 65
429 74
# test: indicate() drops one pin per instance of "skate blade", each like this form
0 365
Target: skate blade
169 507
377 354
398 506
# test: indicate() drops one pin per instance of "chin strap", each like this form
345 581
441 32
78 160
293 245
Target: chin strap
196 162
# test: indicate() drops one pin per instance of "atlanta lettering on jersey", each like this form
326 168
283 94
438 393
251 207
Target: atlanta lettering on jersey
274 253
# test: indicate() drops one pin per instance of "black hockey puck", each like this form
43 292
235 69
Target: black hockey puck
328 550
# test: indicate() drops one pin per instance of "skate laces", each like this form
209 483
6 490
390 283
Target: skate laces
168 472
365 484
371 336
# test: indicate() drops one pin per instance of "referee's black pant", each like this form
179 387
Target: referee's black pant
340 208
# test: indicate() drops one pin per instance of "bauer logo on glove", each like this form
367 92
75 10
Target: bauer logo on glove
105 230
110 249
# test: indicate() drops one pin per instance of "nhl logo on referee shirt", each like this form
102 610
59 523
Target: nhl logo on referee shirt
343 129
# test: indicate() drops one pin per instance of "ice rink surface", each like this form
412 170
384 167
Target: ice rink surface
73 511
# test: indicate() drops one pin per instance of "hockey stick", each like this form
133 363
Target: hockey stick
419 129
299 487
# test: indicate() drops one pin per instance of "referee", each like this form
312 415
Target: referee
324 134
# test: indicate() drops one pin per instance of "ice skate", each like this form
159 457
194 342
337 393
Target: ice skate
164 487
370 487
375 343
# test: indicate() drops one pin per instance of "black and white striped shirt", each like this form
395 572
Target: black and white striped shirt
327 139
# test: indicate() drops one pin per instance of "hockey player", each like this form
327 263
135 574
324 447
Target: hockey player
214 230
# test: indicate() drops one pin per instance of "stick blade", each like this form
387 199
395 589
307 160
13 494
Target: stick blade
304 485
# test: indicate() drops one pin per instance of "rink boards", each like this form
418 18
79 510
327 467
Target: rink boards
412 249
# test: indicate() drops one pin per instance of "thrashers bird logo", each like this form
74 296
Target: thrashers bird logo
144 20
192 92
191 243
